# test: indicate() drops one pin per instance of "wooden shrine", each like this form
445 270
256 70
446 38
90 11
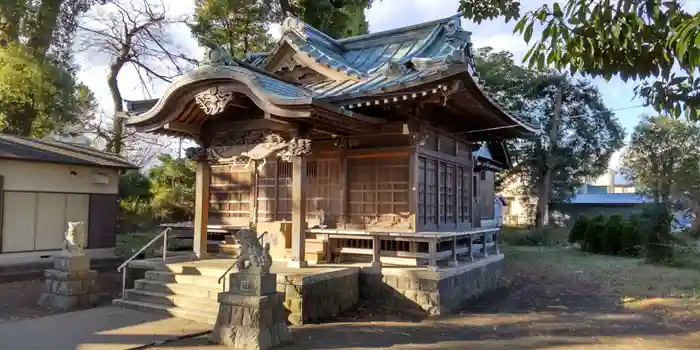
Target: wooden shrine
388 136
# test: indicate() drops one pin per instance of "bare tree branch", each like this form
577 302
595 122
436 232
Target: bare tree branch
131 33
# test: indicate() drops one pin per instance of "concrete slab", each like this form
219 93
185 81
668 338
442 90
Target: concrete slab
104 328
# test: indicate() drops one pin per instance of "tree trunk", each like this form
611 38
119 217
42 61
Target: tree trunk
46 19
114 144
545 188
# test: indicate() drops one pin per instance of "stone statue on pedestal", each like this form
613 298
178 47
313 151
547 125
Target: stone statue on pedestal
70 284
74 240
251 314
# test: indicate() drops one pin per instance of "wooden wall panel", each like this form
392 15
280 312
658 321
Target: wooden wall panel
421 212
378 193
78 209
50 221
102 220
486 190
19 221
325 191
230 194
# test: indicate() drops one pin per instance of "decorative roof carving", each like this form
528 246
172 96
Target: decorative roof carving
452 27
214 100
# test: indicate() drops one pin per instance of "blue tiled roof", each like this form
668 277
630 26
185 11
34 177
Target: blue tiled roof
609 198
418 52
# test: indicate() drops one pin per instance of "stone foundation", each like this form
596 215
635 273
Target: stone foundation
322 296
436 293
250 322
70 285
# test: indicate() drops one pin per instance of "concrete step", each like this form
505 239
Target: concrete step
201 304
210 282
313 245
188 290
195 270
194 315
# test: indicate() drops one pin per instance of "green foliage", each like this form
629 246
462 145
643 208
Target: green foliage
38 95
578 231
338 19
242 25
547 236
594 236
663 158
134 201
38 90
585 143
173 188
656 223
631 38
630 237
239 25
610 243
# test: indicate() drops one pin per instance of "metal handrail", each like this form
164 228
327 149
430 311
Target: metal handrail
234 263
122 267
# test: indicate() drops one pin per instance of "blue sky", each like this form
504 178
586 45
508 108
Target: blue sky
383 15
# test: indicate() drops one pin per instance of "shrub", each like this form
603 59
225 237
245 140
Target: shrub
630 242
657 236
543 237
594 233
578 231
610 240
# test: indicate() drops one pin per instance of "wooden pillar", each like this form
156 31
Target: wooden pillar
453 259
376 252
432 255
201 208
298 258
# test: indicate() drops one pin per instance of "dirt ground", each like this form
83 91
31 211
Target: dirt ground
18 299
554 299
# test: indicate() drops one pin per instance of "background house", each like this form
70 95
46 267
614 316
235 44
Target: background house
609 194
43 185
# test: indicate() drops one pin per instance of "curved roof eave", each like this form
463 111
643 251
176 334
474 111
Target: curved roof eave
208 76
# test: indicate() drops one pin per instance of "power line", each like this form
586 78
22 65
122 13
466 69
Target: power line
595 114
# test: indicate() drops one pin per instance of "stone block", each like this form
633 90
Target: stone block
253 284
71 263
69 288
250 324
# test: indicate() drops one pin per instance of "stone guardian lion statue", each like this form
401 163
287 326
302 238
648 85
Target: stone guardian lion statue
74 239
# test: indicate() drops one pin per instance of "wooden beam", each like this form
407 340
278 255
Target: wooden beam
299 188
201 208
183 127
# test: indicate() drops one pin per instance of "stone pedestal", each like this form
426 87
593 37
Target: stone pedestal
251 315
70 285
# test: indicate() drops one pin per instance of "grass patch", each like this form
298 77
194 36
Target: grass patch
626 277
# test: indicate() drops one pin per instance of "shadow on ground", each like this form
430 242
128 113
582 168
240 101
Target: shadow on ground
536 309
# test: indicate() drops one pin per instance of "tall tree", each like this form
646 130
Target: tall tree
664 160
131 34
242 25
39 90
636 39
579 147
239 25
337 18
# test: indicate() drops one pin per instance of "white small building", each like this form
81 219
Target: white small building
43 185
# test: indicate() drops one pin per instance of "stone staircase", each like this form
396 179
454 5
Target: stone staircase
178 292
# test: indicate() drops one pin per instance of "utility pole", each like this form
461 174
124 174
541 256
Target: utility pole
545 188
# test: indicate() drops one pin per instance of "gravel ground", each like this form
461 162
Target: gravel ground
18 299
